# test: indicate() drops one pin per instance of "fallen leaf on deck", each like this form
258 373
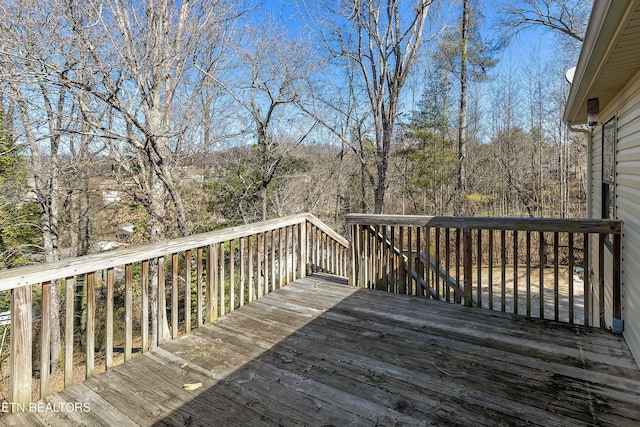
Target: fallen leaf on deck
191 387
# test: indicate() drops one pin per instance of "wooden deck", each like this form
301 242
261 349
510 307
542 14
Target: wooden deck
320 353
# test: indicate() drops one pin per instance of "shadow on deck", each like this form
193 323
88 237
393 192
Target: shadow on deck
318 352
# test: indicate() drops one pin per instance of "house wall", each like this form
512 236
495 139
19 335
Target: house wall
626 108
596 212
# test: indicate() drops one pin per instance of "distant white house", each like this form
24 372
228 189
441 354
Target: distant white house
104 246
110 197
124 231
605 94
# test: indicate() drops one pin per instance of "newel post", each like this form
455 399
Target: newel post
20 362
352 255
467 249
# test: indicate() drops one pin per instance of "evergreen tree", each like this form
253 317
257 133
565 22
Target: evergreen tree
19 237
430 148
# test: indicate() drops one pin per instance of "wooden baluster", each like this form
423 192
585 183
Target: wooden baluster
314 252
109 327
327 252
232 276
468 267
281 258
456 291
324 251
490 269
243 263
145 304
221 281
556 277
45 340
364 237
410 260
447 263
274 276
440 290
419 265
335 248
307 248
259 257
266 263
90 326
211 291
250 272
503 270
479 267
319 249
586 279
393 261
382 260
515 271
128 311
294 252
70 283
286 256
427 266
601 249
571 264
187 291
528 271
541 272
162 302
199 272
174 295
402 285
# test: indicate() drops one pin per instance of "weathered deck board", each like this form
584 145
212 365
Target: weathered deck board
318 352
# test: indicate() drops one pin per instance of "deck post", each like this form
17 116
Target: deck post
617 326
467 248
352 255
302 249
20 362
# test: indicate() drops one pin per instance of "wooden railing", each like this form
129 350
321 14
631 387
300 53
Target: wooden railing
198 279
536 267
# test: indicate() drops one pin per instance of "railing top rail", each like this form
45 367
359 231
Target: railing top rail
38 273
328 230
574 225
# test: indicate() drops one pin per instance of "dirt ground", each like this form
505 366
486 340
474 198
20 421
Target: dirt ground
534 294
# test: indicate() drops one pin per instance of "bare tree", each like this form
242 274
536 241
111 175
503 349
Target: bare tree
143 55
131 69
461 186
273 80
567 17
43 109
382 39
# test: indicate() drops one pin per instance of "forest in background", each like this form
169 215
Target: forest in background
167 118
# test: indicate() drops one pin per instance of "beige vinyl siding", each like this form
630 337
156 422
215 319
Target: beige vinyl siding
596 212
628 210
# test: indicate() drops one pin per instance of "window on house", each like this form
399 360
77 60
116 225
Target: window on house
609 170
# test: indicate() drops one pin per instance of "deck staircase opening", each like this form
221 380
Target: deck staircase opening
566 270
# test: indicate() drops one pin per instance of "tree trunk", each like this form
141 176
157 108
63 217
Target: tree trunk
461 186
156 144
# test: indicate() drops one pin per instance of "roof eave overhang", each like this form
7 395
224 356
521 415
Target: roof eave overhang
605 25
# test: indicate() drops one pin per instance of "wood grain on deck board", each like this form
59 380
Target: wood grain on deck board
318 352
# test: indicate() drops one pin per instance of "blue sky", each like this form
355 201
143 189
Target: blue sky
514 61
519 49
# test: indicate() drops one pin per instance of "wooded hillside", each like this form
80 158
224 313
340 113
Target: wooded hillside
125 123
